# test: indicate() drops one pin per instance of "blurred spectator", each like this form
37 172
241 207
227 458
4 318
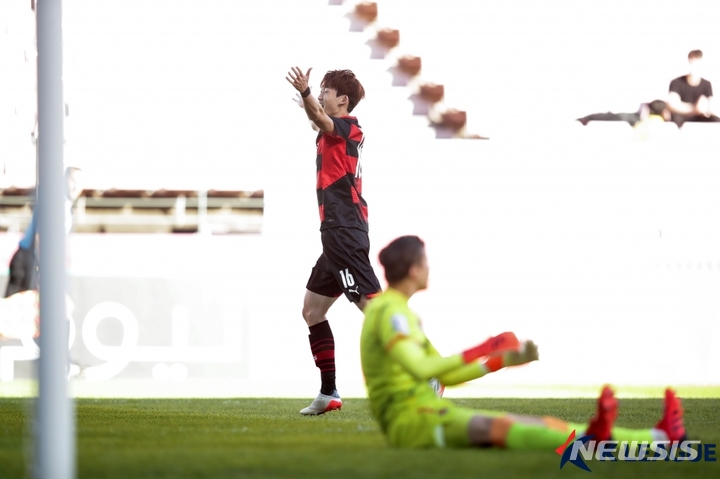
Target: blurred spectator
20 309
73 190
656 108
690 96
23 266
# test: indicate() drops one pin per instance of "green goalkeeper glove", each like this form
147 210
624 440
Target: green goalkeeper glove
527 354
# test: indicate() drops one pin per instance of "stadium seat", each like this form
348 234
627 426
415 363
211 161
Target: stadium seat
428 95
363 15
386 40
407 68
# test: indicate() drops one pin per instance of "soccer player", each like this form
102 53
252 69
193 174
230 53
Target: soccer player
398 360
344 265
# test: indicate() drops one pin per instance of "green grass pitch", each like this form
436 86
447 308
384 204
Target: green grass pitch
267 438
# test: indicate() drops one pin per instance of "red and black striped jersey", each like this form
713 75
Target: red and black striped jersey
339 176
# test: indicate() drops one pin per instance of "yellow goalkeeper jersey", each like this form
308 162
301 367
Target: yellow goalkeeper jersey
391 388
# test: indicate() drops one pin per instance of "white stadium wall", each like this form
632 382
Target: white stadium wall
603 249
607 257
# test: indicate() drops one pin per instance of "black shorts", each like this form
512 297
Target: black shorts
344 266
23 271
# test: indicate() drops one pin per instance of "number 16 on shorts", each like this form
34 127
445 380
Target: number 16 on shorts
347 278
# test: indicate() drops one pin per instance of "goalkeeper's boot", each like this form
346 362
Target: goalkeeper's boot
672 420
322 404
601 424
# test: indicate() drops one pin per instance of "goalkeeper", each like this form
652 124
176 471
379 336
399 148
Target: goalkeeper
398 361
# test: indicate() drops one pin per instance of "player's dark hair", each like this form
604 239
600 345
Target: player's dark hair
400 255
657 107
695 54
344 82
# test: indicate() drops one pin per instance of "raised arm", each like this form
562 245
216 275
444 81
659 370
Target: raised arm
428 364
413 358
528 353
313 109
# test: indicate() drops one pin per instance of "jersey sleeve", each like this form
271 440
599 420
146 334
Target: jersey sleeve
708 89
419 362
342 127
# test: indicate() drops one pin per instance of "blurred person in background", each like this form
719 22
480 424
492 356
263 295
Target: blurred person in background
19 310
690 96
73 190
631 118
23 264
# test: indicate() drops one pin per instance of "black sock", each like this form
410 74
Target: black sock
322 345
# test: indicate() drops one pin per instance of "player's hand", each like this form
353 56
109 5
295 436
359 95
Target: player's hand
299 80
298 100
494 346
703 106
527 354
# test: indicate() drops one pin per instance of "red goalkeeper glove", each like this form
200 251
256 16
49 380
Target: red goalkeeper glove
527 353
496 345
